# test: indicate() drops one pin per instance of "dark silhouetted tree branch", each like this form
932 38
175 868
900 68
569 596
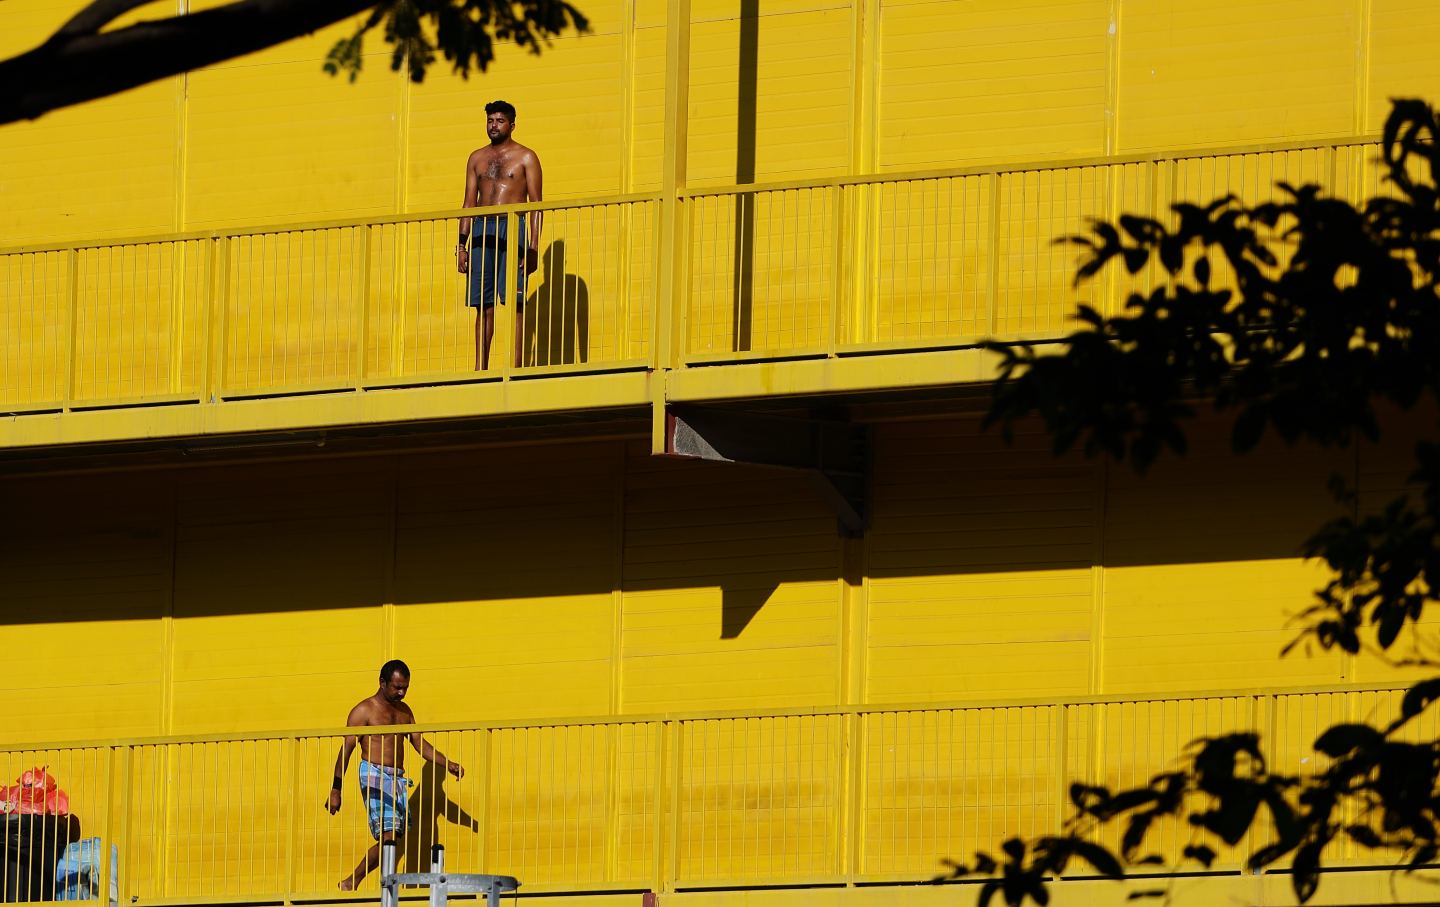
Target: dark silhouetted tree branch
1307 348
82 61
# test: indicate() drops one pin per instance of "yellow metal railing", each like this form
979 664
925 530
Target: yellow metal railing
807 796
825 267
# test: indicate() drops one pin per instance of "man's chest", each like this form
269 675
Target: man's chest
501 167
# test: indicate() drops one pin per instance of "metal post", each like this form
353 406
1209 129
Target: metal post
437 866
389 895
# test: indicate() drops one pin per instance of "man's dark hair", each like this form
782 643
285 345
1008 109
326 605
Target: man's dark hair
504 107
391 667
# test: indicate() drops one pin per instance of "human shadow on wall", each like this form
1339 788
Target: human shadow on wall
557 314
430 805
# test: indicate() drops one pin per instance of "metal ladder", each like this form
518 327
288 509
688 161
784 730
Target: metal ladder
440 882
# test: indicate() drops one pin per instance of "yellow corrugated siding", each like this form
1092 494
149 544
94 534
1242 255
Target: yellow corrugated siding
269 137
711 551
278 574
86 566
271 142
504 569
991 80
1203 570
1208 74
586 579
106 169
801 85
978 567
1401 62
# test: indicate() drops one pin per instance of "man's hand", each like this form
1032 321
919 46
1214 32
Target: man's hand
454 769
462 261
532 260
333 804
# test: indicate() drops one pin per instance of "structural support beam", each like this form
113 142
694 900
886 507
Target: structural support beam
834 454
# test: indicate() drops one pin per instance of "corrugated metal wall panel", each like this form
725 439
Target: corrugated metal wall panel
979 566
991 80
799 73
276 141
1401 57
86 567
731 592
279 574
99 170
1203 570
505 571
270 137
570 579
1206 74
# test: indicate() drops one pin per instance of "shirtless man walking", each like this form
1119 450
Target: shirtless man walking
502 173
383 784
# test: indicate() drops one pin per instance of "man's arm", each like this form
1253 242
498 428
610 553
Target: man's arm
431 754
535 192
462 246
342 760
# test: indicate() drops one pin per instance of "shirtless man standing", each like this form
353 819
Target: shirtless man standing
383 784
502 173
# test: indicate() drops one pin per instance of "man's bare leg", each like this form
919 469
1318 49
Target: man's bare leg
366 865
484 333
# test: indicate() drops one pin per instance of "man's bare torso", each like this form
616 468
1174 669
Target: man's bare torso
381 749
501 174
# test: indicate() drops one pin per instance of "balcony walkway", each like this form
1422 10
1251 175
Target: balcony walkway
849 795
830 286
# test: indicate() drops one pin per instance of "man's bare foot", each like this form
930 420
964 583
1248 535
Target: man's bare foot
347 884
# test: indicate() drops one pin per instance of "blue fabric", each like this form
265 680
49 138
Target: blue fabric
387 798
489 251
77 872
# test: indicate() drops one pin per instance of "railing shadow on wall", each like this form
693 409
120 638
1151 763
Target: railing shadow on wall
810 796
833 267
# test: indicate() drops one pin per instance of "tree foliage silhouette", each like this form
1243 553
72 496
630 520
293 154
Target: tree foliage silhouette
87 58
1308 348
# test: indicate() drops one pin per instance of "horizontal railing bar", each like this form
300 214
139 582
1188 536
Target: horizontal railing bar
718 715
1142 157
335 223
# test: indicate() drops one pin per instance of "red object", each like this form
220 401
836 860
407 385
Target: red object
35 793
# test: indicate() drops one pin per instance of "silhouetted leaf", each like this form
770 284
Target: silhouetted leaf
1419 697
1388 626
1364 835
1306 870
1200 854
1344 738
1268 854
1145 893
1249 427
1103 860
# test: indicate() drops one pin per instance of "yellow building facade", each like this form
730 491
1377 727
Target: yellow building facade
245 460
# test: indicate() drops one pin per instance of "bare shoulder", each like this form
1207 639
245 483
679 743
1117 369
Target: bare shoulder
363 714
